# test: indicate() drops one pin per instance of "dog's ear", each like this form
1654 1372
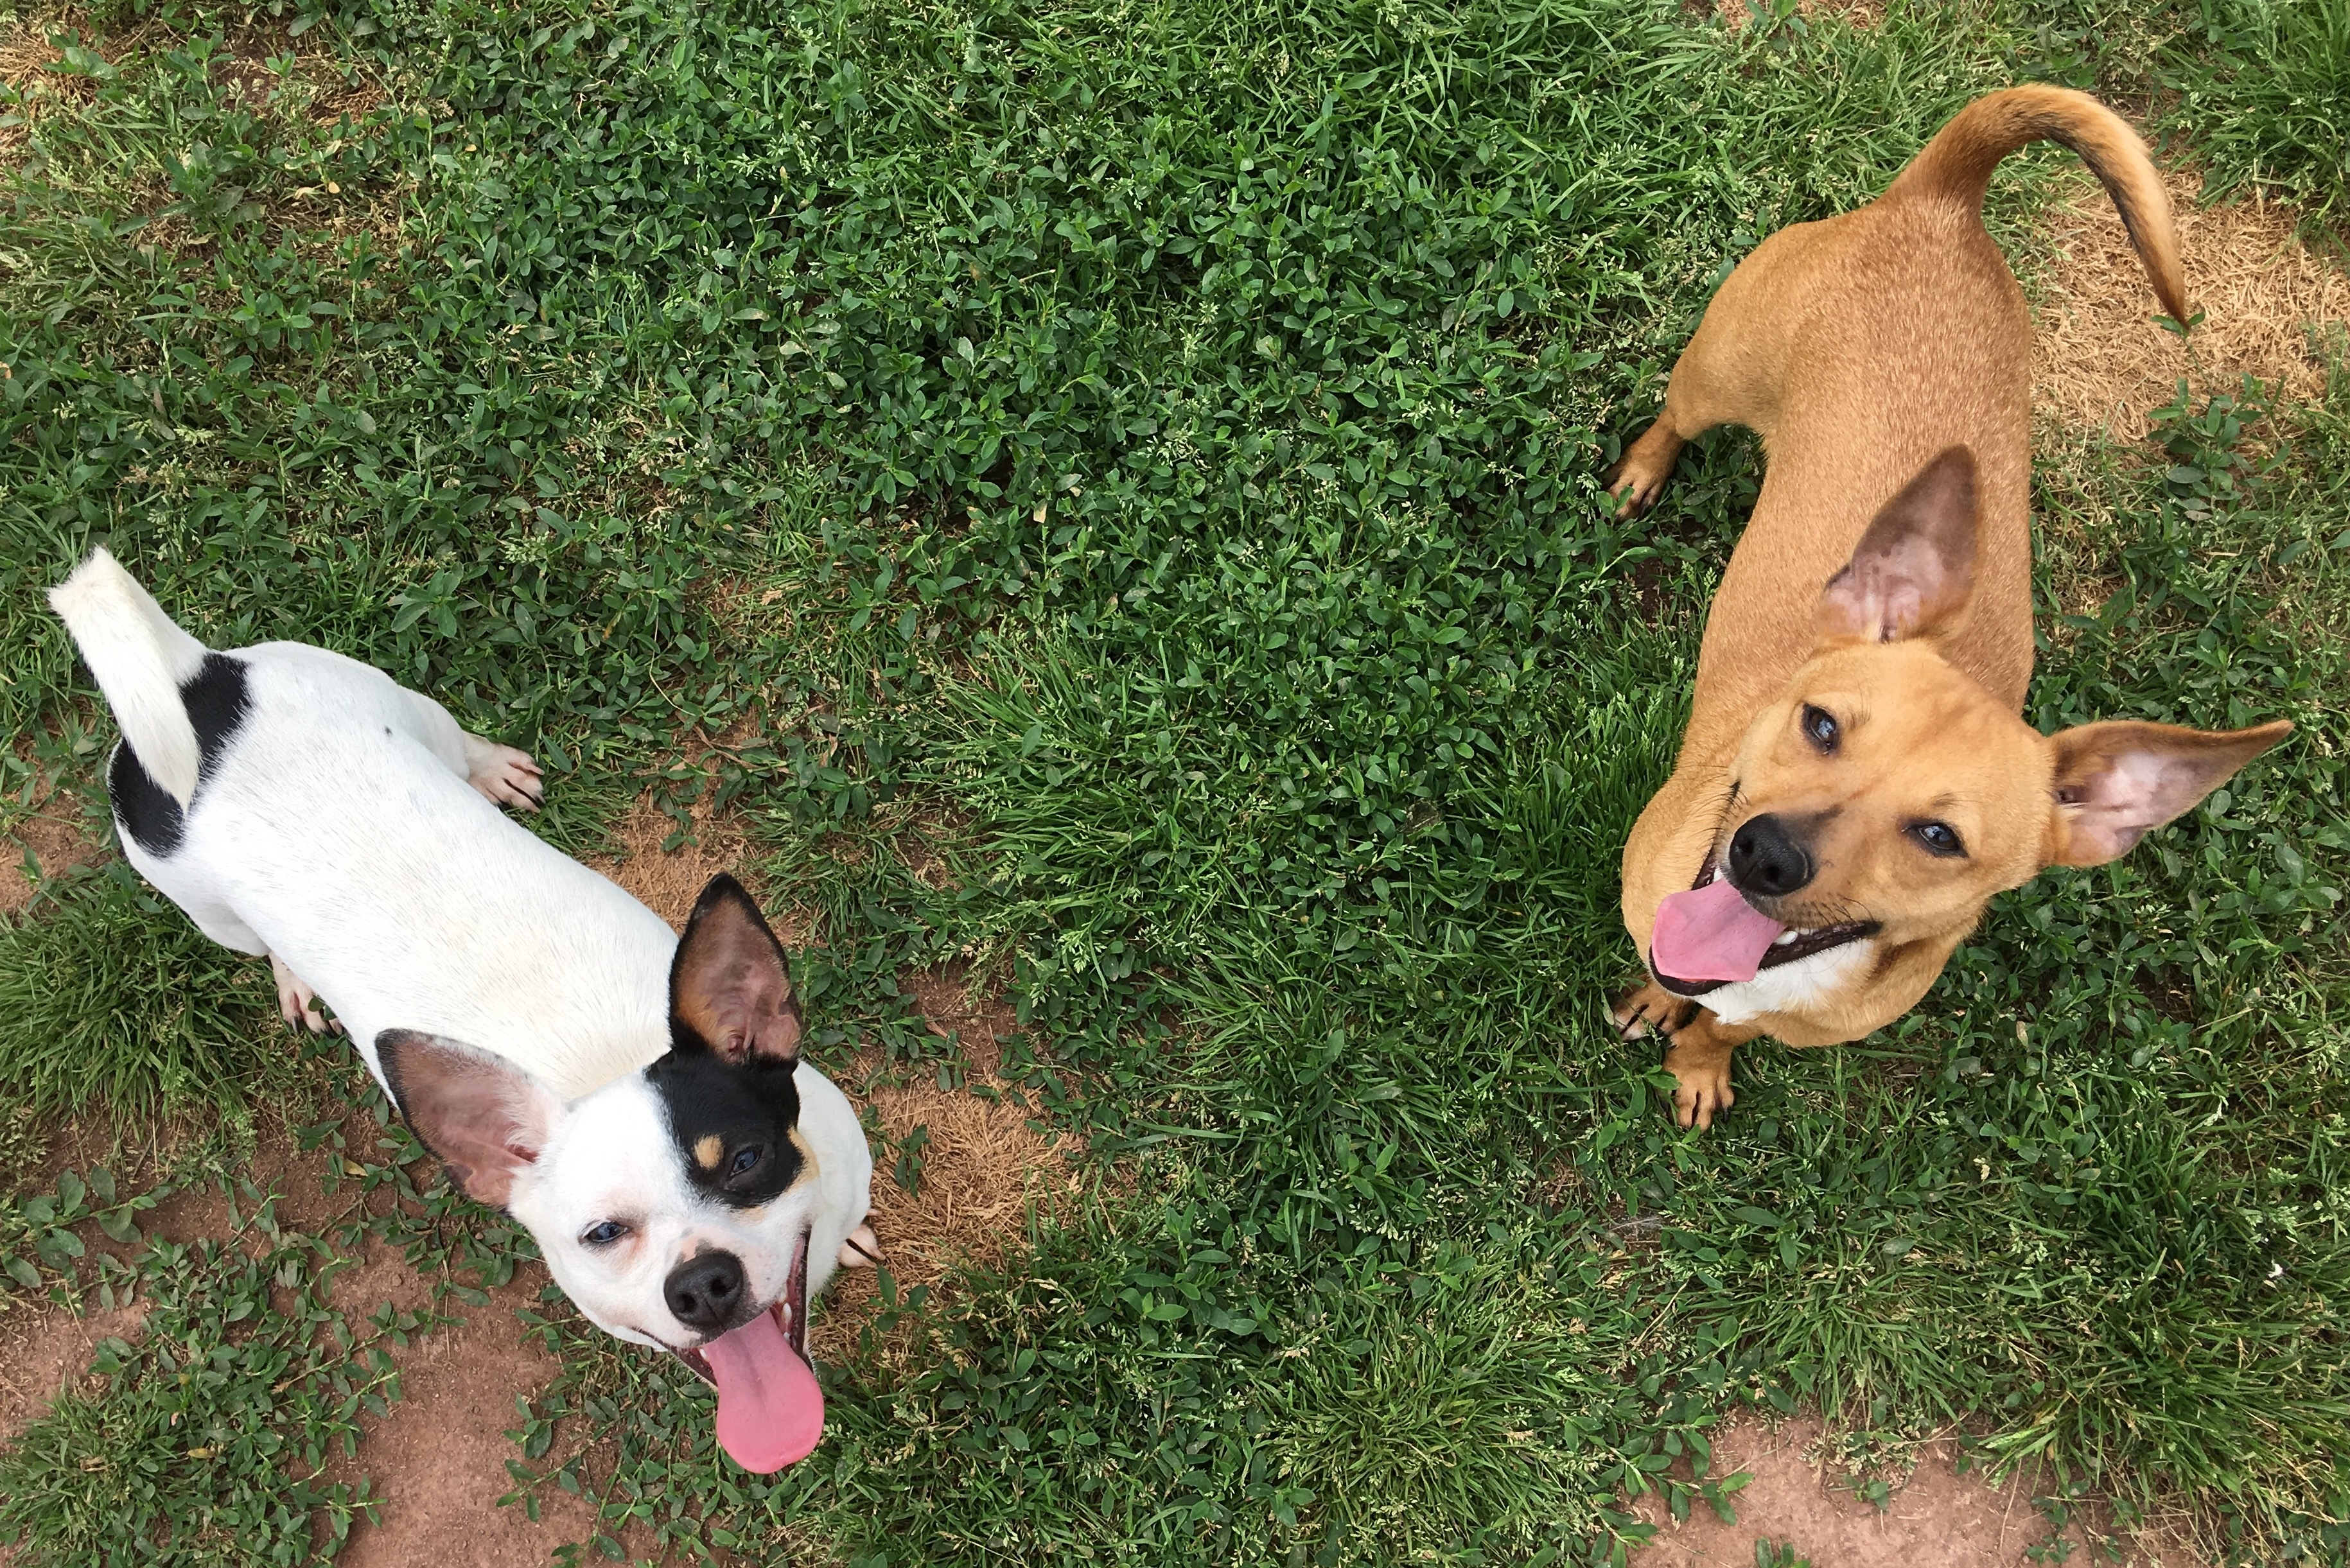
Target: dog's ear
729 990
2116 781
1913 569
483 1117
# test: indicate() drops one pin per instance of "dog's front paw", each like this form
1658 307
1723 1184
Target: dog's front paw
862 1248
1650 1009
505 777
1702 1088
296 1002
1639 479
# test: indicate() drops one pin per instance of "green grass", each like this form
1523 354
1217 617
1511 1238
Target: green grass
2264 100
109 996
1144 458
210 1441
221 1431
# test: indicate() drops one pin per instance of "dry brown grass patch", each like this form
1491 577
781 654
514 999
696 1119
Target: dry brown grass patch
2100 362
990 1161
668 880
25 51
26 55
1862 13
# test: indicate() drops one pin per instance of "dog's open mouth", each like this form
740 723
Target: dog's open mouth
770 1408
1711 936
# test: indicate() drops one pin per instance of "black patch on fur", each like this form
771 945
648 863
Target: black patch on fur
754 1105
145 812
217 703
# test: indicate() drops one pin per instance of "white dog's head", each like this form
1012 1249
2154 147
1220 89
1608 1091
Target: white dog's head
675 1205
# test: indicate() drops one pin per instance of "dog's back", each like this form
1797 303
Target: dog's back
1859 346
301 803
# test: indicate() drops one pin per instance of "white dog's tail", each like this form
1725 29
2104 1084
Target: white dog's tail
142 659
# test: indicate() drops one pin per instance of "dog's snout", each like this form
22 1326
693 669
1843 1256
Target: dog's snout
1765 861
706 1292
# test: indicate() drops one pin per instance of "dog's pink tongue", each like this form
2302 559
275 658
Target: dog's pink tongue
769 1411
1710 933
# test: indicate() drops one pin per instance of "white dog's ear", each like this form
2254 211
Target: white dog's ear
2116 781
729 988
1912 571
483 1117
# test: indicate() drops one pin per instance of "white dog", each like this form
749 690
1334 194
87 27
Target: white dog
637 1100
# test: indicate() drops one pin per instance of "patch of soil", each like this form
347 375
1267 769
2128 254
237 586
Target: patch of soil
1937 1519
439 1458
2100 362
26 55
45 1353
667 881
57 844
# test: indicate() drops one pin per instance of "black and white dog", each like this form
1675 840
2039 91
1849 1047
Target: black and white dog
637 1100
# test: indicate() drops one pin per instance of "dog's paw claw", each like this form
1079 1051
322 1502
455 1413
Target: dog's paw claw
1701 1092
1646 1010
297 1003
507 777
1634 494
862 1250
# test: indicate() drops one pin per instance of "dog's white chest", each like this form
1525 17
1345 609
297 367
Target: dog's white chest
1790 986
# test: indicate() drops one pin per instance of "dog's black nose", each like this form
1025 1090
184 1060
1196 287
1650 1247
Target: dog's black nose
1765 862
706 1292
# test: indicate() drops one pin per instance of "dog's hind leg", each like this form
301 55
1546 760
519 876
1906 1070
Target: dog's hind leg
1730 373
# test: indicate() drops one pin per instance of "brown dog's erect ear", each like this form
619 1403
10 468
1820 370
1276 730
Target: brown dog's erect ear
1912 570
481 1115
2117 781
728 986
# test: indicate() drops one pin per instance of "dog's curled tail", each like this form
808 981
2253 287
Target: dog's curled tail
1956 167
142 659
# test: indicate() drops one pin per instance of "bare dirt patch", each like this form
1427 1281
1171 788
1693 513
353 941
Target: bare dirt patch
439 1458
26 55
25 51
667 877
1937 1519
668 880
2100 362
42 1353
55 837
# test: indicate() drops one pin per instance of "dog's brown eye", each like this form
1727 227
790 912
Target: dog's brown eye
1938 837
603 1233
746 1159
1820 729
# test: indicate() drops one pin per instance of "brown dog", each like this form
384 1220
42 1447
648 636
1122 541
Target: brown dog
1856 782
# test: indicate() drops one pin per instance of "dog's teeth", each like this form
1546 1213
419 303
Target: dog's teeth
1783 937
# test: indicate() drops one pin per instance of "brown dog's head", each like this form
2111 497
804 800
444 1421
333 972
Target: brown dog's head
1885 796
